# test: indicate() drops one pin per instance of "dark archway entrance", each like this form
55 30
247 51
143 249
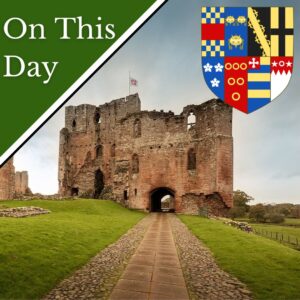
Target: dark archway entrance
74 192
162 200
99 183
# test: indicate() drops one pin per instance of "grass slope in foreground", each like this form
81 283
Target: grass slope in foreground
293 232
37 252
270 270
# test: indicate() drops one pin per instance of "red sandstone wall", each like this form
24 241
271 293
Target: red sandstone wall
21 183
162 150
7 181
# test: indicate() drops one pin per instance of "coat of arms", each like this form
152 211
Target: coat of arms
247 53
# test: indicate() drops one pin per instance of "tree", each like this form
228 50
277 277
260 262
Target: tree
258 213
240 204
284 211
275 217
241 199
237 212
295 211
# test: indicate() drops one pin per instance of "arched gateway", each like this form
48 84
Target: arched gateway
162 199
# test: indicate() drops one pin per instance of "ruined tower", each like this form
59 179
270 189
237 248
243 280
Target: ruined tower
21 183
7 181
140 158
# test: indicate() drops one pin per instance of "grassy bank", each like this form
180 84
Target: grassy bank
37 252
269 269
286 230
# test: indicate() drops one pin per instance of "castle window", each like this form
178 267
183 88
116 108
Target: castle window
191 160
125 195
113 150
137 128
74 124
97 118
99 183
135 192
135 164
191 120
99 151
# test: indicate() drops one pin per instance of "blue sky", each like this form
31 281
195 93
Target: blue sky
164 56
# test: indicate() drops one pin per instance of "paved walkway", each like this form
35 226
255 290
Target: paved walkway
154 271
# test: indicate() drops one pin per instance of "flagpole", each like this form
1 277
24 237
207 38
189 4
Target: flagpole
129 83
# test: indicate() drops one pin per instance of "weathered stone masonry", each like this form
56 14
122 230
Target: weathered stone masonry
136 157
13 184
21 183
7 180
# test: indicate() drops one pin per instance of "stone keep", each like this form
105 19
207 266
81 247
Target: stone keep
137 157
21 183
7 181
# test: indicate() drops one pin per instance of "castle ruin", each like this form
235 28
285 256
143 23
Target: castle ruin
21 183
7 180
141 158
13 184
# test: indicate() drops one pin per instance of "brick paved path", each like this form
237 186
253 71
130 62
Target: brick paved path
154 271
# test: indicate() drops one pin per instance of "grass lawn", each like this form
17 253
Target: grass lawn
292 222
286 230
270 270
287 222
37 252
287 233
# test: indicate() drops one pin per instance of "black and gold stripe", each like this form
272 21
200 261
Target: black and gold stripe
259 31
282 31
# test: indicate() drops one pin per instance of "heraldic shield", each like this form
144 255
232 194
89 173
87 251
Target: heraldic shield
247 53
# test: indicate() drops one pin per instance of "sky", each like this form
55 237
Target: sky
164 56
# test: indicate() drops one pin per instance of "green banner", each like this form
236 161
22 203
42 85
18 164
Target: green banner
49 49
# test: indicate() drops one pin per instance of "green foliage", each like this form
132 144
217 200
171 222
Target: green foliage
258 213
267 213
237 212
240 198
284 211
269 269
240 204
38 252
275 218
295 212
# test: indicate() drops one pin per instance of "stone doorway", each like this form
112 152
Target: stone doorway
99 183
74 192
162 200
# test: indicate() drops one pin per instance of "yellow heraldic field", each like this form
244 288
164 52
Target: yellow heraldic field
262 80
259 77
213 48
289 38
215 18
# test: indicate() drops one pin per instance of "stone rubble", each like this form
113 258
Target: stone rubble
97 278
204 279
21 212
244 226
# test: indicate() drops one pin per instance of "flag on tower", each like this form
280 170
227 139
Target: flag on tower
133 82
